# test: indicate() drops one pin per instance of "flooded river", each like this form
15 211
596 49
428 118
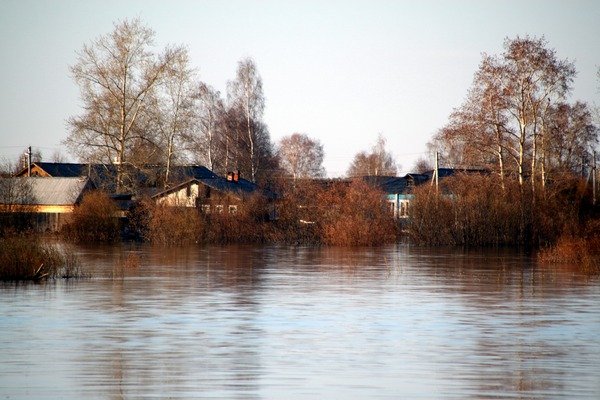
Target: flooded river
247 322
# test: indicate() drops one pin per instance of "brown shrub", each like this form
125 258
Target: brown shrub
249 223
583 252
95 219
356 215
171 225
25 258
299 213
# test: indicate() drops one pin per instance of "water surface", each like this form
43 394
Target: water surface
247 322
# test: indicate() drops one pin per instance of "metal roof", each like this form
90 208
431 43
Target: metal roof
47 191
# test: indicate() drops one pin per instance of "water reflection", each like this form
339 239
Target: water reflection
277 322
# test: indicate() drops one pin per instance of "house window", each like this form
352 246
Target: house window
206 208
232 209
404 209
188 190
391 207
219 208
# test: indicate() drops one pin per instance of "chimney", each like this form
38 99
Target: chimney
236 176
230 176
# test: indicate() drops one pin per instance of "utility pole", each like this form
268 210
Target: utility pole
594 171
435 177
29 161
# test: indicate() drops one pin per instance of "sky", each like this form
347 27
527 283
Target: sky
342 72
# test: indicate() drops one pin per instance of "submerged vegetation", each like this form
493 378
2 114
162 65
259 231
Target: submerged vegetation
25 258
309 213
476 210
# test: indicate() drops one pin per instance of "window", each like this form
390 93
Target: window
219 208
391 207
188 190
232 209
403 209
206 208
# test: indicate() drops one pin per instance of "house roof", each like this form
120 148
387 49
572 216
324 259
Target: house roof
241 188
49 191
104 174
181 173
64 170
388 184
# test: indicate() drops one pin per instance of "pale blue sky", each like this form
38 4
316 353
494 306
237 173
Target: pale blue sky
339 71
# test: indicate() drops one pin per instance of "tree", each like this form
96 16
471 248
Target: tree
422 165
506 119
116 74
207 144
571 137
378 162
247 132
171 114
301 156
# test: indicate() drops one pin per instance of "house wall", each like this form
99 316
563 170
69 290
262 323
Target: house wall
201 196
399 204
185 197
39 218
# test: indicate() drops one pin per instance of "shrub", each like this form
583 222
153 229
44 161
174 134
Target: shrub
476 210
95 219
168 225
249 224
357 215
580 251
24 258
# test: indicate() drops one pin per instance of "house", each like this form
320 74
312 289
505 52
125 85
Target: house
147 179
101 175
46 202
211 193
399 190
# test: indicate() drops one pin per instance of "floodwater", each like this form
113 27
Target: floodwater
248 322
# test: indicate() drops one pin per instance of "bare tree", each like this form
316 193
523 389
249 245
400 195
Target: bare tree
505 119
171 114
208 143
377 162
422 165
116 74
571 137
245 95
301 156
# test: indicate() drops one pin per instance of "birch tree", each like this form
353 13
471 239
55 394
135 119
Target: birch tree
116 74
301 157
507 112
377 162
245 95
172 116
209 143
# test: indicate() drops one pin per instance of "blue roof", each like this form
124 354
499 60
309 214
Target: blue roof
241 188
388 184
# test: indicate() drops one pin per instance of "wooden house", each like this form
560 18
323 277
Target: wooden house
399 190
211 193
47 202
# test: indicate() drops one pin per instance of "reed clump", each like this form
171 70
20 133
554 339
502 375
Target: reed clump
25 258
